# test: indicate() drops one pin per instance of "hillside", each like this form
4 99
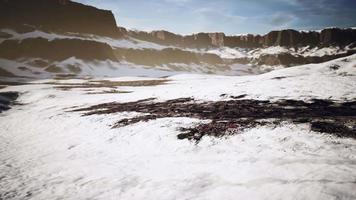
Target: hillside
91 110
112 154
69 39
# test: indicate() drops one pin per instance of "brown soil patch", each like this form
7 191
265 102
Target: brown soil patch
231 117
108 84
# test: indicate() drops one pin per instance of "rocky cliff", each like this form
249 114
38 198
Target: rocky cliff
55 31
56 50
288 38
67 16
327 37
57 16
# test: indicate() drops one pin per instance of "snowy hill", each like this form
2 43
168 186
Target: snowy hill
112 57
90 110
58 153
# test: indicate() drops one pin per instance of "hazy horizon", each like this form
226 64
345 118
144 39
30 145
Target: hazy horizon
229 16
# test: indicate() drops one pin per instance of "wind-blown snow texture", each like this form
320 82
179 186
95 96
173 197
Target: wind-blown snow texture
48 153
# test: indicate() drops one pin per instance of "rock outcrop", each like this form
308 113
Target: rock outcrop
199 40
152 57
6 99
288 38
57 16
244 41
167 38
327 37
56 50
68 16
335 36
217 39
287 59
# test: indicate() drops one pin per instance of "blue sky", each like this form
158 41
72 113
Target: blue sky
229 16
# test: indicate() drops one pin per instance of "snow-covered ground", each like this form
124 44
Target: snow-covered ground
97 68
301 51
49 153
79 68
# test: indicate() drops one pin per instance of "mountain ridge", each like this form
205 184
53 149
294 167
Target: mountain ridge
70 16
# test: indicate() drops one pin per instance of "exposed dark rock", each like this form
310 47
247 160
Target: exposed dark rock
230 117
309 38
199 40
6 99
57 16
244 41
336 128
293 38
270 39
288 38
335 36
58 49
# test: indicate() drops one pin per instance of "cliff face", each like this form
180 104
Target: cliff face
288 38
337 36
68 16
327 37
56 50
57 16
243 41
199 40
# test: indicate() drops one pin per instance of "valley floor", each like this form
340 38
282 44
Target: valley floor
47 151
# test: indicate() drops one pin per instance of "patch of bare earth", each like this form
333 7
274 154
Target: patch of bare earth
107 84
232 117
113 91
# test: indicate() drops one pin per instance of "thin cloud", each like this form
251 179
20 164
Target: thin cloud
281 20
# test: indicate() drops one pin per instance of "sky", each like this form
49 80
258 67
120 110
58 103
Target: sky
229 16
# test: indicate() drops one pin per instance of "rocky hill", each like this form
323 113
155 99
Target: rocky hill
64 37
57 16
288 38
